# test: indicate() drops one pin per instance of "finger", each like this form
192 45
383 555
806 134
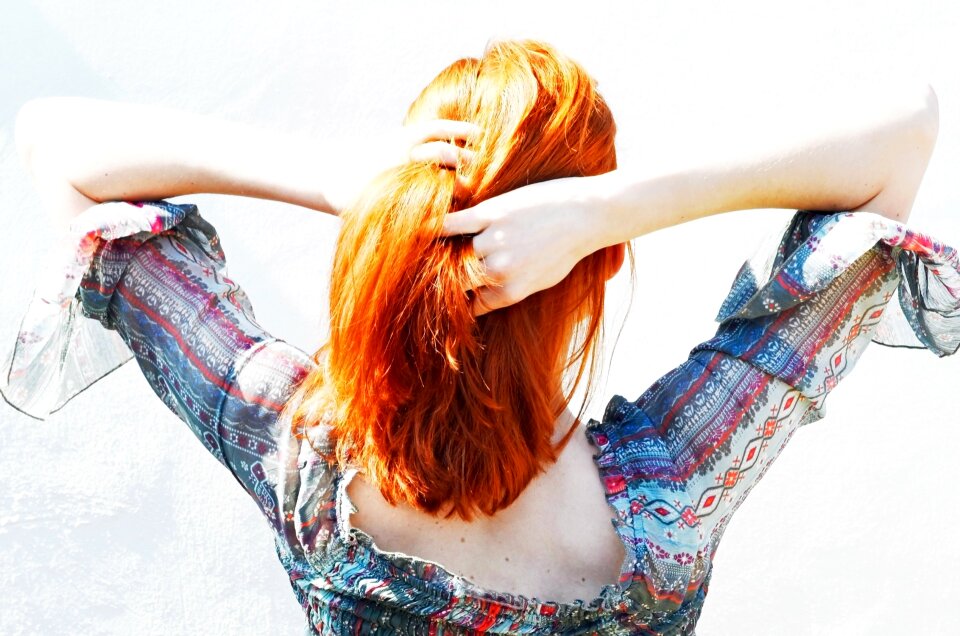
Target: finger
484 301
463 222
464 185
477 276
441 152
488 299
447 129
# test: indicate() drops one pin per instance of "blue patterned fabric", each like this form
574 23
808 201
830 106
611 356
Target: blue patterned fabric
149 282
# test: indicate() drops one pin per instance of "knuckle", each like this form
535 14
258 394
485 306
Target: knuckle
483 303
449 154
495 269
480 248
512 294
500 262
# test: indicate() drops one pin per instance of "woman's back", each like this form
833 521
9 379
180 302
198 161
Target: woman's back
555 542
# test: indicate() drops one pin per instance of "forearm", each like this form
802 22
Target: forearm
117 151
851 159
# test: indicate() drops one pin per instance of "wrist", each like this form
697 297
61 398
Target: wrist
602 201
631 204
282 167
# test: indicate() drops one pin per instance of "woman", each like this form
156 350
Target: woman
441 386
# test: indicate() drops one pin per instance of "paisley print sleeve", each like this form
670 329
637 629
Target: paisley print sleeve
678 461
149 282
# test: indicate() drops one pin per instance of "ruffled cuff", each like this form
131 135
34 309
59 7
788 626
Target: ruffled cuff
817 247
59 351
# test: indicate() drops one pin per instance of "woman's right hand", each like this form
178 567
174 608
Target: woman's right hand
530 238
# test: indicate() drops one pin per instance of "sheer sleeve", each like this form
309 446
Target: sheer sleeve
149 282
678 461
818 248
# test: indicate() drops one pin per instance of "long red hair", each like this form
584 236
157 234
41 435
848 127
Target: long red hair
450 413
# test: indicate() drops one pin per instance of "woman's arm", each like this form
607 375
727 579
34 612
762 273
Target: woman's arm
84 151
855 156
825 154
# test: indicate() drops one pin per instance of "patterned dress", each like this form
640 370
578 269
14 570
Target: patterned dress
148 282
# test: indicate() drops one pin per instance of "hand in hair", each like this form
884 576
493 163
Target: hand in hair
432 141
436 141
530 238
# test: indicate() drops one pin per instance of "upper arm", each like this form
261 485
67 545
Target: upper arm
864 150
116 151
856 152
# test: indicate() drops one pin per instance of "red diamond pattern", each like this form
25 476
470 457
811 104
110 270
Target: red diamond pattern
731 479
770 428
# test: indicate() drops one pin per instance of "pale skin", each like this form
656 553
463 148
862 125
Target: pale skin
870 156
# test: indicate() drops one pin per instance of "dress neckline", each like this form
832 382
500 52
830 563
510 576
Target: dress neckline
611 596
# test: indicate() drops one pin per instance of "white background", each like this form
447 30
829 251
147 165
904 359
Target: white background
113 520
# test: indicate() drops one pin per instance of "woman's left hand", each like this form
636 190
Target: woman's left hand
431 141
436 141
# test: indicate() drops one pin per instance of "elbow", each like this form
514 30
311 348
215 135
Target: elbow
923 129
25 131
925 121
916 136
35 128
933 114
